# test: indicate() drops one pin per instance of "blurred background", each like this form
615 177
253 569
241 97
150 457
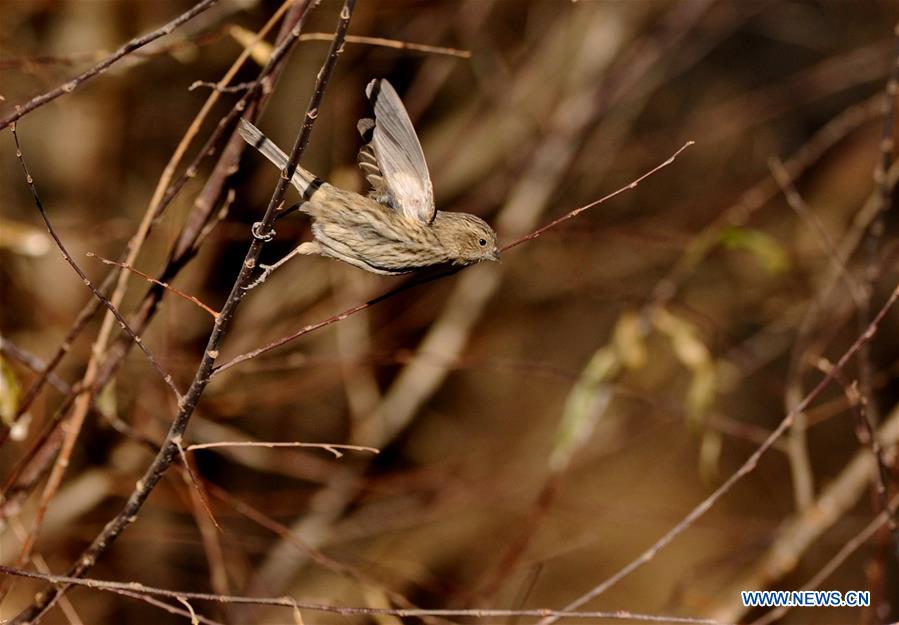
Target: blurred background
540 422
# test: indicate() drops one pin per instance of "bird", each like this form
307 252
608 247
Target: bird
396 228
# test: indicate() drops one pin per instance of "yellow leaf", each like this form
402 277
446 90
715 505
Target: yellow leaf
629 334
700 395
106 400
23 239
709 455
10 392
261 50
687 347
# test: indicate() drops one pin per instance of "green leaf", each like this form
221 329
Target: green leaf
769 253
587 402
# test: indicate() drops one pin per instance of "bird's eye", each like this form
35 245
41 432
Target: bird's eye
482 242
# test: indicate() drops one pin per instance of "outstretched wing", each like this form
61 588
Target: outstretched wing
368 163
393 160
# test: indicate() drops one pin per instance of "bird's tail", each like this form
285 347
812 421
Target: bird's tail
305 182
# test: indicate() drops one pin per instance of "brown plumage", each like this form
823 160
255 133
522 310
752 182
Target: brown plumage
396 228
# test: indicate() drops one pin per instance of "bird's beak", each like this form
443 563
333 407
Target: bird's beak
495 257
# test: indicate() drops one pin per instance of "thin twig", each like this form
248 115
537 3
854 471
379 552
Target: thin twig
152 280
795 201
35 364
188 402
199 221
266 522
312 327
93 380
192 480
801 472
872 243
391 43
797 534
41 565
211 534
162 605
27 63
238 88
193 615
291 537
102 66
289 602
572 214
68 443
334 448
745 469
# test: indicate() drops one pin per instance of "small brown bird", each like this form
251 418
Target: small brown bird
396 228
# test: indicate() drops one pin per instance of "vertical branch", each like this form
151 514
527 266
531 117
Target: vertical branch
167 454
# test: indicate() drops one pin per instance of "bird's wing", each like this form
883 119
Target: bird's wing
392 158
368 163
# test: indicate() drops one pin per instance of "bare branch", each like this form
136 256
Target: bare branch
334 448
102 66
152 280
572 214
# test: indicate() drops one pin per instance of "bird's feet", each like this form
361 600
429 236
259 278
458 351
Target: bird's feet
266 272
